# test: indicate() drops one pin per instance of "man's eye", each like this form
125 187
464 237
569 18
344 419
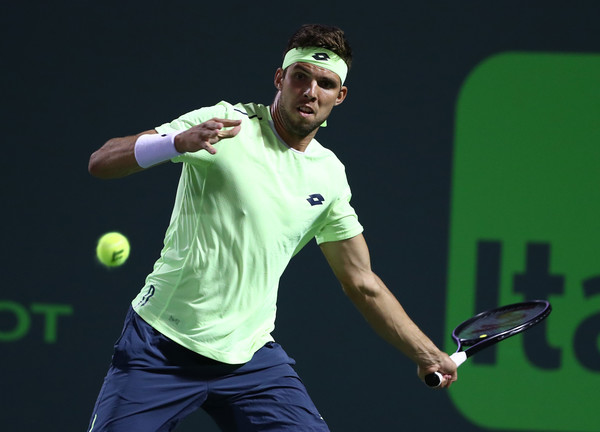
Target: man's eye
327 84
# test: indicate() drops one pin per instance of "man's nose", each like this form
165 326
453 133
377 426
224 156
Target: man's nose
310 90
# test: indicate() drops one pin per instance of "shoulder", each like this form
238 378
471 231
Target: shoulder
248 110
251 110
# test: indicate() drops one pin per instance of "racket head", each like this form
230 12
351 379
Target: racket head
494 325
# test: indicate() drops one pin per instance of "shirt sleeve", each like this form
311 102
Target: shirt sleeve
342 221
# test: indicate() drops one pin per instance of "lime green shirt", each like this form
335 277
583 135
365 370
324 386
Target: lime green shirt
239 217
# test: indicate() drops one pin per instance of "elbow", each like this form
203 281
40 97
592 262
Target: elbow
364 287
115 159
99 166
95 166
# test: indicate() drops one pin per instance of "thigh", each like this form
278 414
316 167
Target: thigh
140 401
144 390
264 395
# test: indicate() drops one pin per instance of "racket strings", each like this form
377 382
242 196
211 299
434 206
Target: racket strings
499 321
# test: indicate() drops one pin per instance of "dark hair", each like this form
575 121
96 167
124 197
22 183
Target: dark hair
323 36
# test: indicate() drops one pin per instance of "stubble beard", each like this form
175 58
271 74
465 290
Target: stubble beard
295 125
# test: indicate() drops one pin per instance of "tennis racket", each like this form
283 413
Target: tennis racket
490 327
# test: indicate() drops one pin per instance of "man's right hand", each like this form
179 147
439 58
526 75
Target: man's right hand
204 135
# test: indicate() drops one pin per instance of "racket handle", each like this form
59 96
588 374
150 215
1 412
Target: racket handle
435 379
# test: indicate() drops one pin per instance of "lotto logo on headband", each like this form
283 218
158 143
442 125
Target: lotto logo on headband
524 225
321 57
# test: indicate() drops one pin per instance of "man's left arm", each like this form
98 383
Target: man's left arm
350 262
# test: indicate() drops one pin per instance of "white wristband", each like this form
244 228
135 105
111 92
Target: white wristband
152 149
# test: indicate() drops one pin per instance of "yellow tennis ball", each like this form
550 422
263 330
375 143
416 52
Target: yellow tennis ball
113 249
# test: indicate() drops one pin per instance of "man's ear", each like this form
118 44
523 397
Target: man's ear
341 95
278 80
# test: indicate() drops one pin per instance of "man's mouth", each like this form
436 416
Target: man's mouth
306 110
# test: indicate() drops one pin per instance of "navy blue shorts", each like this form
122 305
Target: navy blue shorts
153 383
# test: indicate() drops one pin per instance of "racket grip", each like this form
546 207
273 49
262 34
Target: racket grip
435 379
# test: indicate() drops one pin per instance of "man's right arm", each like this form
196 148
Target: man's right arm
117 158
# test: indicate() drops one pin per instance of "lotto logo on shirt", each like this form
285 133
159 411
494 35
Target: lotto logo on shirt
525 224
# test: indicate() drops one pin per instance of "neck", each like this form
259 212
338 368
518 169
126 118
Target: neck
294 141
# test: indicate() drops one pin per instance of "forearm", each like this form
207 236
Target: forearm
116 158
350 262
389 319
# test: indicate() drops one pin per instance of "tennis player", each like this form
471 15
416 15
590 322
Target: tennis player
255 187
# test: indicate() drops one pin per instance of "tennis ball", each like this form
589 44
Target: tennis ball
113 249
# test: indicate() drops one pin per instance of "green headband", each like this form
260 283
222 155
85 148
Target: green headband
318 56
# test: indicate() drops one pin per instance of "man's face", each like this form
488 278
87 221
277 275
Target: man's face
308 94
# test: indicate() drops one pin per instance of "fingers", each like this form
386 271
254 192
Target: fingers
229 133
446 373
208 147
447 381
204 135
227 122
443 381
217 125
448 377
